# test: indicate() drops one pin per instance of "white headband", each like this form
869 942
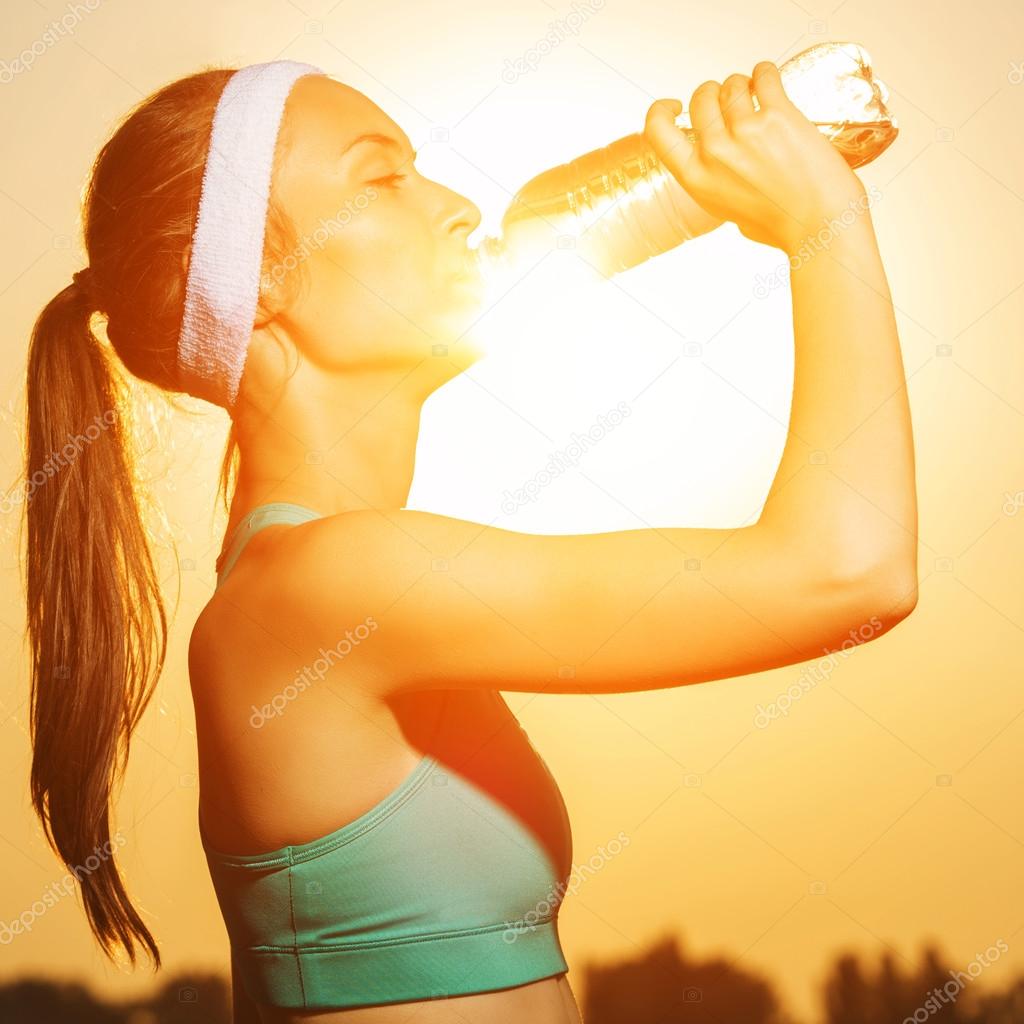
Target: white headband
223 282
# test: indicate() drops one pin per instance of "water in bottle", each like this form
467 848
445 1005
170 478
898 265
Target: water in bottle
617 206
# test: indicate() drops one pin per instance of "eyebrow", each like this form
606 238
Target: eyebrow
383 140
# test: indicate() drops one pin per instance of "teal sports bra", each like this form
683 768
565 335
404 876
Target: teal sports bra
449 885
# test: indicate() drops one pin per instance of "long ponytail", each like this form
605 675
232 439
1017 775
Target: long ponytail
96 620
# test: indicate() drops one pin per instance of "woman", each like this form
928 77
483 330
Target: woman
384 841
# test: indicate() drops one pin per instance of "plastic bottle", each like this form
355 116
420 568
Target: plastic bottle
617 206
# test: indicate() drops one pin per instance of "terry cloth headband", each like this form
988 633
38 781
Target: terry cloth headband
223 281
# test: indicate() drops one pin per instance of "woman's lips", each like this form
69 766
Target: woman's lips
470 268
470 277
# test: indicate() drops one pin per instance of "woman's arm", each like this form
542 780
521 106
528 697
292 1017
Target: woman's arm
453 604
848 464
847 468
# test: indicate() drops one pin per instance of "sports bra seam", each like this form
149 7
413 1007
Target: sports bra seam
394 802
295 932
391 803
402 940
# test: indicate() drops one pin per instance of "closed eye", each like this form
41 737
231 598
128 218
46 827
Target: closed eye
395 178
389 179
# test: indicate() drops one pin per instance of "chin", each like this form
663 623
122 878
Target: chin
459 332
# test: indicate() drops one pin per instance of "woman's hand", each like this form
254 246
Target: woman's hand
769 170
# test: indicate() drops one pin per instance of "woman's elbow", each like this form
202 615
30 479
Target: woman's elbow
889 589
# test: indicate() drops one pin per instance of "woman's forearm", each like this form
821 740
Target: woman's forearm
845 483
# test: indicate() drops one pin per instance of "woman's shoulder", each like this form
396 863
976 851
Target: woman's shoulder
262 602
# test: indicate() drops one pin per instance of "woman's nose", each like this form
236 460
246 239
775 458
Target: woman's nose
463 215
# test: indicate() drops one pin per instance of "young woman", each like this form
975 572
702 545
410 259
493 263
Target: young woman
385 843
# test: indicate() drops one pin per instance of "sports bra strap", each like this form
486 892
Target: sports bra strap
255 520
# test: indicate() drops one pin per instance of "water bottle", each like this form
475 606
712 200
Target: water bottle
618 206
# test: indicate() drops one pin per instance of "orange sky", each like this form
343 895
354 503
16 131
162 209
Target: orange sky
883 810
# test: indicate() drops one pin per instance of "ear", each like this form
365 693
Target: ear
270 300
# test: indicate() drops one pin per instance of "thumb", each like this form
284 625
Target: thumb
672 147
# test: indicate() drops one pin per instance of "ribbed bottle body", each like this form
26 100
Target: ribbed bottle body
618 205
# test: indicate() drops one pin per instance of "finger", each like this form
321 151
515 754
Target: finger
736 100
670 143
768 86
706 113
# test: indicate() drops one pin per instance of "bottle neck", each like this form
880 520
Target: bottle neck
492 258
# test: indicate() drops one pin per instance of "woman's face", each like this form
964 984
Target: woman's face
382 249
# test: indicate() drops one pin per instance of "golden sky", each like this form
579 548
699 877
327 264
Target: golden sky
882 810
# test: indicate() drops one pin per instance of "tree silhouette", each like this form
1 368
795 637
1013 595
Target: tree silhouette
891 990
1001 1007
659 986
192 999
40 1001
847 993
185 998
662 986
936 992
